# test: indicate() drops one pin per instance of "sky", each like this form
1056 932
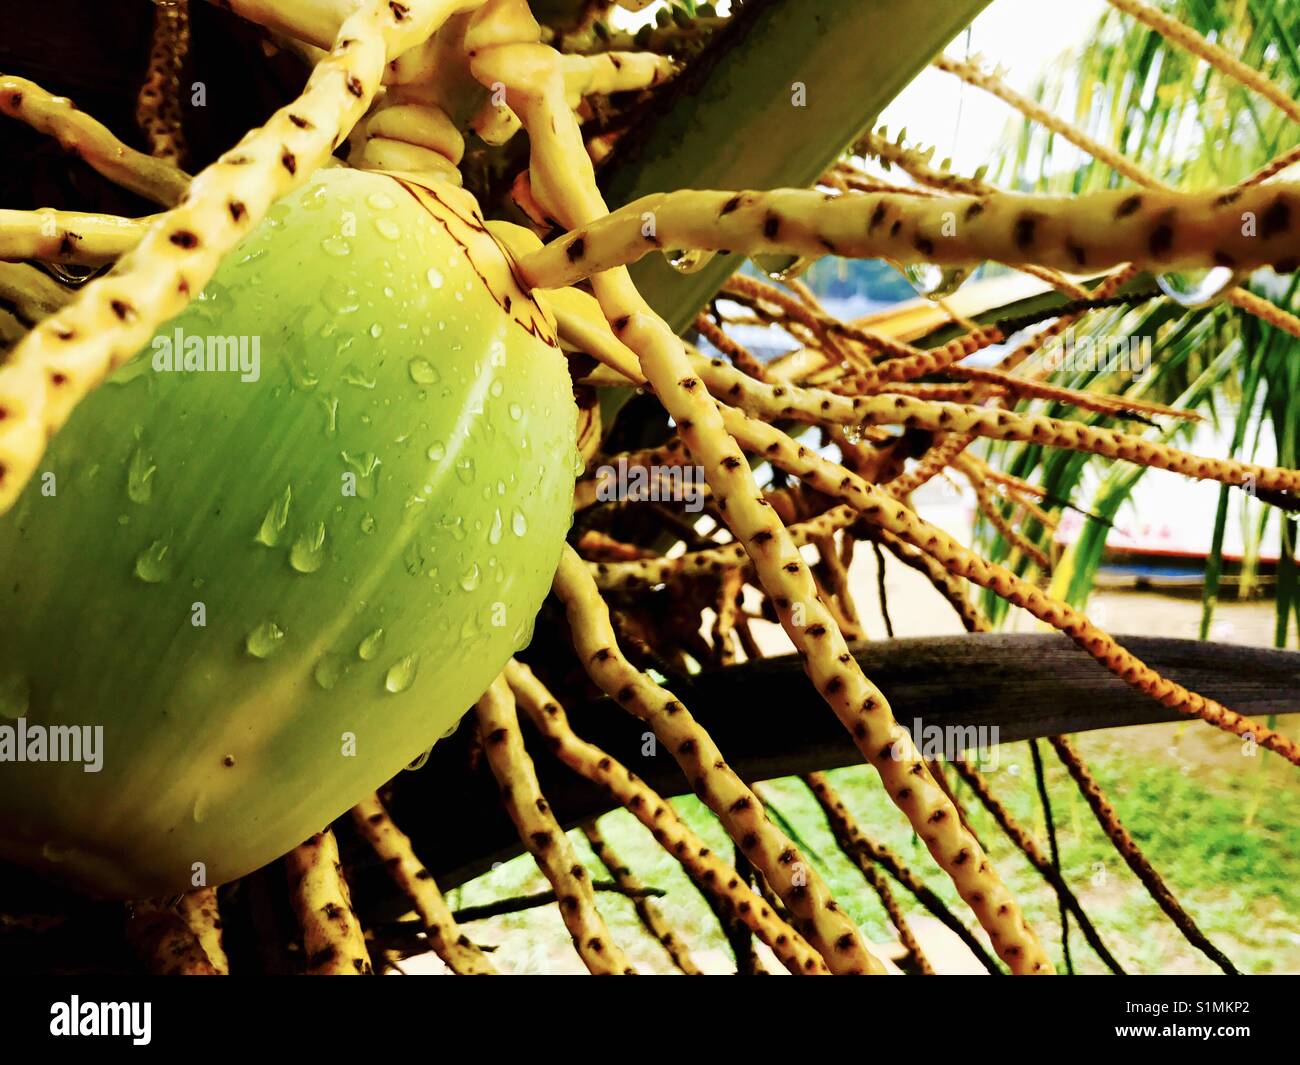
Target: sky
1024 36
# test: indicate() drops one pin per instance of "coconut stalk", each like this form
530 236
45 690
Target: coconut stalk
734 121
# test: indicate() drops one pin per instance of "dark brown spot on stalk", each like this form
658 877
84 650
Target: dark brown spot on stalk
300 122
729 206
183 238
877 216
974 210
924 245
771 225
289 161
1161 240
1128 206
400 11
122 309
355 86
1276 220
1024 231
576 250
1229 197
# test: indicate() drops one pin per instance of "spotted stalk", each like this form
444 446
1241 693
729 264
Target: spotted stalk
202 913
158 108
1030 848
1155 230
867 852
332 937
394 849
565 181
157 180
647 912
705 868
1132 853
68 236
795 881
166 943
880 509
540 832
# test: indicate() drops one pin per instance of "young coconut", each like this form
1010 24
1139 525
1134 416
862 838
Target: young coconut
273 585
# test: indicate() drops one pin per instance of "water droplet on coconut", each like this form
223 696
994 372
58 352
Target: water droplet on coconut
411 767
934 282
465 470
401 674
1197 288
518 523
264 640
327 671
153 565
139 476
388 229
496 388
369 647
423 372
15 695
516 411
200 810
450 731
437 452
276 519
367 523
381 201
336 246
435 278
364 466
301 375
353 375
494 533
470 578
308 552
340 297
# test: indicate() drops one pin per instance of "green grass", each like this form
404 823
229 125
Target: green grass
1219 826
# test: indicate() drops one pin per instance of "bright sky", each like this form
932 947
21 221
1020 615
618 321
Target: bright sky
1023 36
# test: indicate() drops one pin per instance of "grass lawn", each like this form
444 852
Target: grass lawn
1218 825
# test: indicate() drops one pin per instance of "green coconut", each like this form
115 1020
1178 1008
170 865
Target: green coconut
283 550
